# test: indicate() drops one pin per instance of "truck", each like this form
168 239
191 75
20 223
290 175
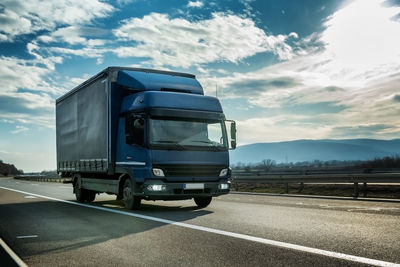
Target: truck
143 134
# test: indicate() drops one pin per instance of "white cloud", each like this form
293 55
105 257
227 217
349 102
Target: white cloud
99 61
27 74
124 2
18 73
70 35
19 129
248 9
87 52
276 128
363 35
183 43
75 35
28 108
4 152
357 68
195 4
79 37
27 92
31 161
28 87
22 17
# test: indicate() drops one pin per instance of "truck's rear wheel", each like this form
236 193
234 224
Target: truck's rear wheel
130 201
81 194
78 190
202 202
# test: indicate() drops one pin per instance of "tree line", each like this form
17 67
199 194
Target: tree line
8 169
266 165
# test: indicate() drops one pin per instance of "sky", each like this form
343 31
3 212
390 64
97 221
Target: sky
284 70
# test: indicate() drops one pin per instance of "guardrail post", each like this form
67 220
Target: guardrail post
355 195
286 188
365 189
301 187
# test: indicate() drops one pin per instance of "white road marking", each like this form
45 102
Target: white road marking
34 184
270 242
63 186
30 197
26 236
112 206
12 254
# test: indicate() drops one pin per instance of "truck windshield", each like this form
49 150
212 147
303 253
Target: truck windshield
185 134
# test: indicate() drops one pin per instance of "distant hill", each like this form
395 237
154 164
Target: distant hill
309 150
8 169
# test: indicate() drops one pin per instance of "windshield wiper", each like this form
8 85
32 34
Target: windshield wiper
176 144
211 145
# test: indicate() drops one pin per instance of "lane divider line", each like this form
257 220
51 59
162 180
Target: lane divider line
265 241
12 254
30 197
26 236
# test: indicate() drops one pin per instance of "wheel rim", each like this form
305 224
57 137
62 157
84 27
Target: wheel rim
78 192
127 191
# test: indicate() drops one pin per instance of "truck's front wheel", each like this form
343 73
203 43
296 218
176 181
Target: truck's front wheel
130 201
202 202
90 195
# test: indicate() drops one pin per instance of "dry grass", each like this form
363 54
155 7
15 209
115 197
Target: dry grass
346 190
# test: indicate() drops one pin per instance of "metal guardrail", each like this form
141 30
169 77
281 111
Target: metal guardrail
42 178
323 178
318 178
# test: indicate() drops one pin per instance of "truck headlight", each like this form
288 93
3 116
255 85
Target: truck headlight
156 187
223 172
158 172
223 186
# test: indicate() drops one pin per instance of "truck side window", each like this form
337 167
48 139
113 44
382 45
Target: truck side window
134 129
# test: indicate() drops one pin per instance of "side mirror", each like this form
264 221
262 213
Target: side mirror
232 134
134 129
138 123
233 144
129 124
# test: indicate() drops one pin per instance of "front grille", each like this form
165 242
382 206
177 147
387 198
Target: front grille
191 170
191 192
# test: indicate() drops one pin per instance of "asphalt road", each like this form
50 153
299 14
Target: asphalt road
44 225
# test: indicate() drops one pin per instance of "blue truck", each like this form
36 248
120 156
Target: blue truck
143 134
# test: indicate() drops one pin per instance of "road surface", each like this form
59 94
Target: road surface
44 225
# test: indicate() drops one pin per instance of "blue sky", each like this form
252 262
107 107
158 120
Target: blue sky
284 70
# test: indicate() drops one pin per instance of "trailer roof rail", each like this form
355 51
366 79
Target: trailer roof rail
113 69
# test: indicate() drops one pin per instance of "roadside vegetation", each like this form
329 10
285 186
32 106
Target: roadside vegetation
387 164
8 170
269 165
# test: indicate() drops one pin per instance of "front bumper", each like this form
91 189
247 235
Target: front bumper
177 191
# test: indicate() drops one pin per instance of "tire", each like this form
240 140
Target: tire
79 191
202 202
81 194
90 195
131 202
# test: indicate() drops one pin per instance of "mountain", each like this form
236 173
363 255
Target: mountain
309 150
